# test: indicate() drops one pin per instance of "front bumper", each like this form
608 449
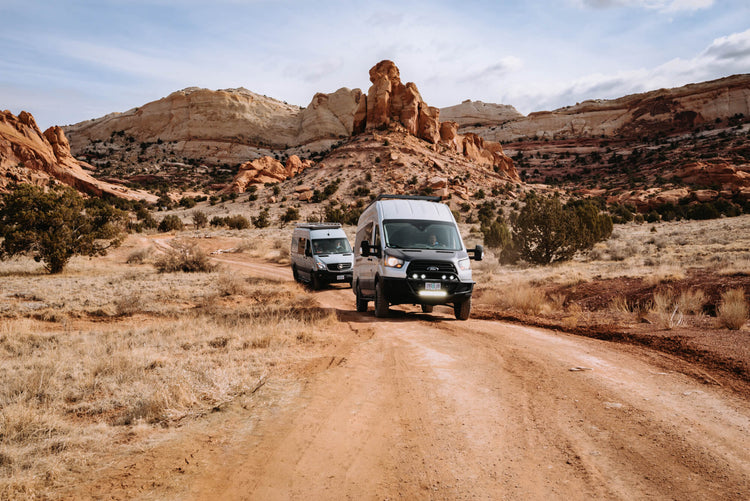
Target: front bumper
332 277
414 291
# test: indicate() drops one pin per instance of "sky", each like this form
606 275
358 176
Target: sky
73 60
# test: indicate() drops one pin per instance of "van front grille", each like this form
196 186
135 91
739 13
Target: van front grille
339 266
430 267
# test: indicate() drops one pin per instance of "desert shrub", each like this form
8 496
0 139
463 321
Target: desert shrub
732 312
54 226
496 235
545 231
230 285
236 222
667 309
187 202
261 220
691 301
200 220
171 223
184 257
291 214
139 256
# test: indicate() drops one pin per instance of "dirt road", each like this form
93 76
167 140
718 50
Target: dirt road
426 407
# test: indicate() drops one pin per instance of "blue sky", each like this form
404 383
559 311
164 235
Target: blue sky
72 60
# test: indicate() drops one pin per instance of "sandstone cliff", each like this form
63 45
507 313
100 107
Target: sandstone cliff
659 111
28 156
224 126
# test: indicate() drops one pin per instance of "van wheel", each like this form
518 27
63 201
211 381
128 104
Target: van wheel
295 273
361 302
381 304
462 310
427 308
315 281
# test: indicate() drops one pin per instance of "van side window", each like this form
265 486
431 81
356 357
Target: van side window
365 233
301 245
308 249
376 240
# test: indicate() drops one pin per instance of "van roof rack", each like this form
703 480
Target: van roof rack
319 226
390 196
387 196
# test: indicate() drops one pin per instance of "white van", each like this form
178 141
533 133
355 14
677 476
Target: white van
408 250
321 254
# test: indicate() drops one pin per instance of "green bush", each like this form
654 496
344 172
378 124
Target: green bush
54 226
236 222
545 231
291 214
170 223
200 220
261 220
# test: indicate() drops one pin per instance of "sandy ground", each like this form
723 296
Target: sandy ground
426 407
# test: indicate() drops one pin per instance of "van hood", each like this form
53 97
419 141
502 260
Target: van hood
427 254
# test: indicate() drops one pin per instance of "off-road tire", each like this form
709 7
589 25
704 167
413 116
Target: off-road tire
462 309
361 302
295 274
381 304
427 308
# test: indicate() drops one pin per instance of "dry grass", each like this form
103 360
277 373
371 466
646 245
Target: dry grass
521 297
108 350
667 309
732 312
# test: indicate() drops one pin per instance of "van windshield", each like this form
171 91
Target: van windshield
331 246
420 234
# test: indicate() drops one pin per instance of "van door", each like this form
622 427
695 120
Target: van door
366 266
303 267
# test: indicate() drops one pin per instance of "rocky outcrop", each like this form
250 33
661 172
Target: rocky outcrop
660 111
266 170
224 126
28 156
479 114
389 102
728 177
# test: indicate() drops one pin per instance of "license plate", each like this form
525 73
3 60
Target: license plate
431 286
340 277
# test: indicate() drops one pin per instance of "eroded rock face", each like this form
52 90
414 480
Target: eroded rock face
390 101
664 110
225 126
266 170
727 176
28 156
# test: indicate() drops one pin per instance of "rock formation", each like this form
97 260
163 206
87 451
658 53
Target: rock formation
666 110
28 156
266 170
389 101
223 126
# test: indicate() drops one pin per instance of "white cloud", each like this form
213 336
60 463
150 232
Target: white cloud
659 5
725 56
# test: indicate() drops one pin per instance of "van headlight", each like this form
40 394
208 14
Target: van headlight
464 264
393 261
320 264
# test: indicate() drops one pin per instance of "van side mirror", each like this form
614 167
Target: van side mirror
365 248
476 253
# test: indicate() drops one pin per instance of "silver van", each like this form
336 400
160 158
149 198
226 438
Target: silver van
408 250
321 254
